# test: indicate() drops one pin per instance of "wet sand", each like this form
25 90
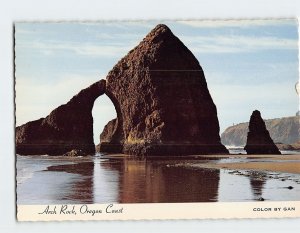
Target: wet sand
274 163
128 179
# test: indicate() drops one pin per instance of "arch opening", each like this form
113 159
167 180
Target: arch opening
103 111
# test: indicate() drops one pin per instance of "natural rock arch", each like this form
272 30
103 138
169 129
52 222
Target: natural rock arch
112 136
162 102
68 127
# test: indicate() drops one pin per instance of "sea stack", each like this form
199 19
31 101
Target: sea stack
67 128
258 139
162 101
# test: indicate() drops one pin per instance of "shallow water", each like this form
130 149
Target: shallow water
55 180
240 150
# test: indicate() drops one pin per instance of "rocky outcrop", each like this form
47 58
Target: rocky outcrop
75 153
162 101
110 138
284 130
258 139
294 146
68 127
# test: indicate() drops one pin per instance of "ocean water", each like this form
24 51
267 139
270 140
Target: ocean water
240 150
98 179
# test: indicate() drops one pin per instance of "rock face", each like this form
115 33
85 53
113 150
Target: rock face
259 140
68 127
284 130
74 153
110 139
162 101
294 146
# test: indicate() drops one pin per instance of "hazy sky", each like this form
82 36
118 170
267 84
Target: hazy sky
248 65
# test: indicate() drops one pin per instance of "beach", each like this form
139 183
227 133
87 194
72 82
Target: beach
121 178
275 163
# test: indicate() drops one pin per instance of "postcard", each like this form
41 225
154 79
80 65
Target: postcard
171 119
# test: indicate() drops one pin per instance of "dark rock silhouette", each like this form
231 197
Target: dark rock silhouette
68 127
162 101
259 140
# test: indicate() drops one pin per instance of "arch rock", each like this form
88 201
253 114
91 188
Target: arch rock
162 102
67 128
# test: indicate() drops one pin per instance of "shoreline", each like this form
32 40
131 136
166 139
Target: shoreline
282 167
271 163
287 163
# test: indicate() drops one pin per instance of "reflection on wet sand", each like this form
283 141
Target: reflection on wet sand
257 182
149 181
81 190
139 181
135 180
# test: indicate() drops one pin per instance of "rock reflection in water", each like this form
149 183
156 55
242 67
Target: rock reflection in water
43 180
81 191
257 182
152 181
139 181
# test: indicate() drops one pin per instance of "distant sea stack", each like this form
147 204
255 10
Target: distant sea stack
259 140
68 127
285 130
162 101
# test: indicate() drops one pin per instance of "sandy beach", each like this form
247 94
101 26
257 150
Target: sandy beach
274 163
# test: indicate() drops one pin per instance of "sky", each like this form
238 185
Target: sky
248 64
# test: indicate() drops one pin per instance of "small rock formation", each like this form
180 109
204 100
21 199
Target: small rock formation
74 153
284 130
294 146
110 139
259 140
162 101
68 127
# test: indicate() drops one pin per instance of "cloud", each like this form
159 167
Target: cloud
236 102
198 44
86 49
22 31
266 93
121 24
236 44
252 74
240 23
120 37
